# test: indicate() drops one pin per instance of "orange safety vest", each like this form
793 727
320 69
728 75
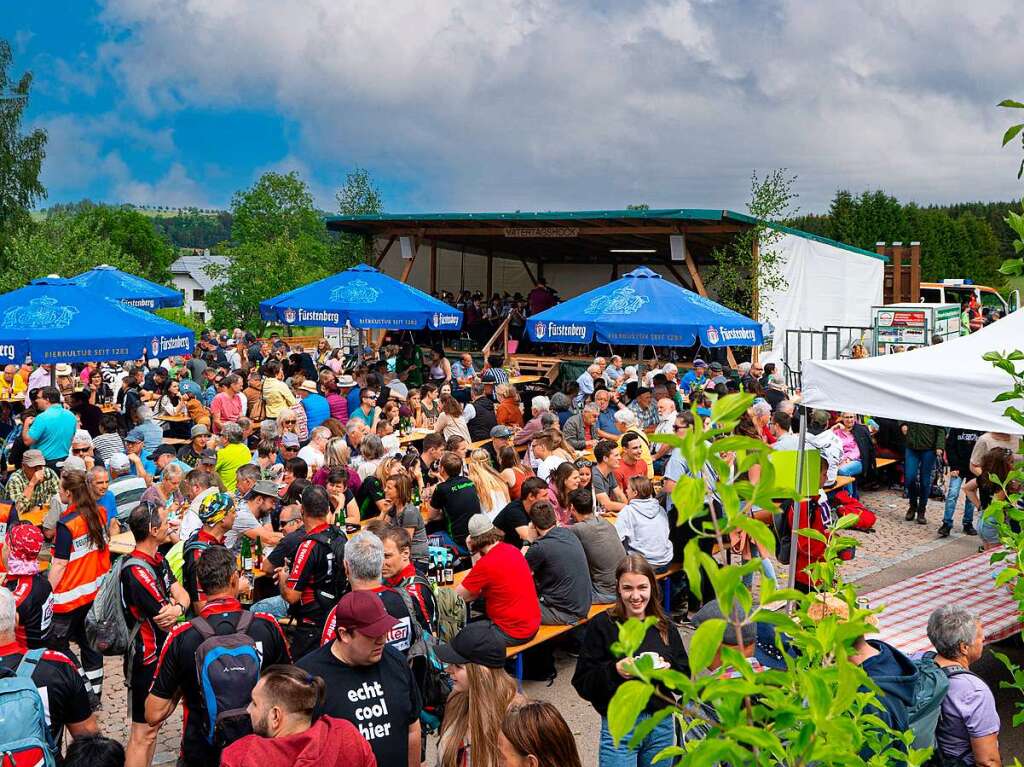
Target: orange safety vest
86 566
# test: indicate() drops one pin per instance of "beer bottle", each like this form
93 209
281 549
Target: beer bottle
246 560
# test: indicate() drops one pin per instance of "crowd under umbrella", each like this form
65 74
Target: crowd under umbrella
110 282
366 299
53 320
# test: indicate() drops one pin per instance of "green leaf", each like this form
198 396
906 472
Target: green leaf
691 565
1011 132
705 643
1011 104
729 408
688 498
1005 576
646 727
757 530
735 443
810 532
626 705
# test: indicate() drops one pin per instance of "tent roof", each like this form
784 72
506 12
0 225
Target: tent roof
948 384
586 236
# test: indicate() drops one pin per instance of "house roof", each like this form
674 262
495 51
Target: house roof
588 236
195 267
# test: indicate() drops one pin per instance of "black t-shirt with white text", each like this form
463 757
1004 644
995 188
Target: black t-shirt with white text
33 596
381 700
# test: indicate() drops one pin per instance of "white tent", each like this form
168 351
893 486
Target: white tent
825 283
946 385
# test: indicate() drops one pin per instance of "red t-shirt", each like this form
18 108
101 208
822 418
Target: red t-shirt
625 471
227 406
503 579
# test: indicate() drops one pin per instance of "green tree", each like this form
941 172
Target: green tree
358 197
135 235
63 244
771 202
276 206
279 243
21 155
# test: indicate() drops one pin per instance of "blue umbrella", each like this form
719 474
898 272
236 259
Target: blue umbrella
109 282
643 308
55 320
365 298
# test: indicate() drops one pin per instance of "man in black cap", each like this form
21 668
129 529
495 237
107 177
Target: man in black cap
476 643
368 682
501 437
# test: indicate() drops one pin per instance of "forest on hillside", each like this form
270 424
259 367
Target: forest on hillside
964 240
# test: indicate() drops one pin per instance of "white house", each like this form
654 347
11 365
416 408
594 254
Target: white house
188 274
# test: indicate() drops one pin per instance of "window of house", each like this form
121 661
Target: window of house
198 294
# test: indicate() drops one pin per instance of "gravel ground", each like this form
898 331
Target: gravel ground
896 550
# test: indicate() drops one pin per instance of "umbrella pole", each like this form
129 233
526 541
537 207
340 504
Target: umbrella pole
791 583
53 375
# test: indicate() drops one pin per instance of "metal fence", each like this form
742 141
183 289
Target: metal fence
831 343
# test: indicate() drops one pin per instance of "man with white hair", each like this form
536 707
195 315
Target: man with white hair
313 453
55 675
580 430
538 407
761 413
613 372
364 565
586 379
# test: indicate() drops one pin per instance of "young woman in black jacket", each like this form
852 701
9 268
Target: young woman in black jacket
599 673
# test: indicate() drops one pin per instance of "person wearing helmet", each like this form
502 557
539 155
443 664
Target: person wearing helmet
217 513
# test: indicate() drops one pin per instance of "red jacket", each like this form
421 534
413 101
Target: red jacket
329 742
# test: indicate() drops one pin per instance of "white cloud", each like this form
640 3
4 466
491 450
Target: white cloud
537 103
174 189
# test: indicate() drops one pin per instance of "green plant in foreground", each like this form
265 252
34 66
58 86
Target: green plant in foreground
822 709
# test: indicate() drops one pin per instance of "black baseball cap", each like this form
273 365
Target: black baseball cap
476 643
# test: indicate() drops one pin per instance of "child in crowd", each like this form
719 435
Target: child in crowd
642 524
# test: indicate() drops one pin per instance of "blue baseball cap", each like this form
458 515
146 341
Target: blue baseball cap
135 435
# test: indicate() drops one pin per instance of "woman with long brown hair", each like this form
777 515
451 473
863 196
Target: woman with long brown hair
81 529
451 422
482 692
512 471
534 734
599 672
564 480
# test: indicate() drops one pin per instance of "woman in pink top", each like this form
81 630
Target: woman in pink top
564 480
226 406
851 464
335 401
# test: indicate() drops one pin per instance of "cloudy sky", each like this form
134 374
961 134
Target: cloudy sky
522 104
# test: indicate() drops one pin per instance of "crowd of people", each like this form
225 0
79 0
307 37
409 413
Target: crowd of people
331 554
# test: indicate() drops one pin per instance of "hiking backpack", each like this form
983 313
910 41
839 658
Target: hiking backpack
937 758
451 613
929 692
25 739
105 627
337 584
228 668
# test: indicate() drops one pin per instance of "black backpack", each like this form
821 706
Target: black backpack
335 584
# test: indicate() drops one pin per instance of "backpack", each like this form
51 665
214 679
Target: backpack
929 691
258 411
25 738
228 668
937 758
106 630
451 613
434 683
337 584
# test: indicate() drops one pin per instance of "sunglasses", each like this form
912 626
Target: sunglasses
289 423
290 521
80 450
290 449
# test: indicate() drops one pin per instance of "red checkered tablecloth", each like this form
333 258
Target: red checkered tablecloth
969 582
